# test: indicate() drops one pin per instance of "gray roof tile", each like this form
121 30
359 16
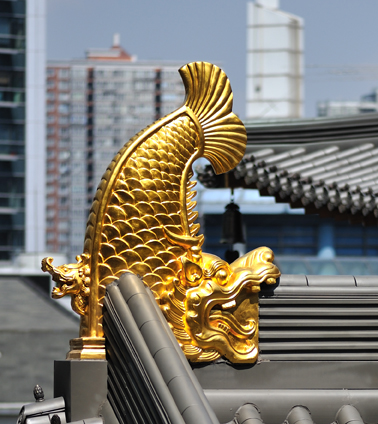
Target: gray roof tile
322 164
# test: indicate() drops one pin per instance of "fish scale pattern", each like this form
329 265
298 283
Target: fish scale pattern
146 197
142 217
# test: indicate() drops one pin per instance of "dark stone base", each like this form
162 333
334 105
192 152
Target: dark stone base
83 384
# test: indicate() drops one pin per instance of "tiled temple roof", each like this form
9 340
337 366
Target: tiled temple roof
317 362
150 380
327 166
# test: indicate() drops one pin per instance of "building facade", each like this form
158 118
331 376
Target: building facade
367 104
22 127
94 105
274 62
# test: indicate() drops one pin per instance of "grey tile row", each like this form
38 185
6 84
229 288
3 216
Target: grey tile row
327 166
329 280
249 414
320 317
283 406
331 179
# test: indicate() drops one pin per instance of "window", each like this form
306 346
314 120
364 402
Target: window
169 97
12 60
50 179
78 131
64 142
284 234
14 79
78 119
79 73
64 97
64 155
63 237
64 73
79 85
118 74
12 26
356 241
78 108
63 85
78 96
63 226
63 132
64 108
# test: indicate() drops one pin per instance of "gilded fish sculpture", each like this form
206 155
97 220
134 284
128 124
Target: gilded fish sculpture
143 220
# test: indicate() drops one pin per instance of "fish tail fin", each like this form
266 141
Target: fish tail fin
209 96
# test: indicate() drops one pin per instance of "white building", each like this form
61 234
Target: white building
274 62
94 106
35 126
367 103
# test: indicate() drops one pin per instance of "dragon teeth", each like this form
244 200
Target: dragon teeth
229 305
223 327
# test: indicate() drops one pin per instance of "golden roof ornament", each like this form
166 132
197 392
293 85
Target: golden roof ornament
142 220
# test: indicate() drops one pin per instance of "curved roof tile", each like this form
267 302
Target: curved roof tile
327 166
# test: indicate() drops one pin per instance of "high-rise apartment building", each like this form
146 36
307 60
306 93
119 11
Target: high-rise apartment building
95 105
22 127
274 62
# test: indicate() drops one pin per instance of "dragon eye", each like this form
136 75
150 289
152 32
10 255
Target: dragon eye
221 276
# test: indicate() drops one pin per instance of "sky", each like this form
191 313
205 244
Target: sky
341 38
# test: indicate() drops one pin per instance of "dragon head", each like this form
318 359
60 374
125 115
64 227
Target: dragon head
72 279
221 306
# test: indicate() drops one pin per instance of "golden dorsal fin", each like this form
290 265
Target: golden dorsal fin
209 96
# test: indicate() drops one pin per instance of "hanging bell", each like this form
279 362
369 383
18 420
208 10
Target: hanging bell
232 225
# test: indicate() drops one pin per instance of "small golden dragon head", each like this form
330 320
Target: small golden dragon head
72 279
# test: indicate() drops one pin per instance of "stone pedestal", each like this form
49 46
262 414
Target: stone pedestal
83 384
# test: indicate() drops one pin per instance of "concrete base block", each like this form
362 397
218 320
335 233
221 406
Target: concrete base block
83 384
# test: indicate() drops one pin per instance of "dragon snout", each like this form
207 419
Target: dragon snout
271 280
252 278
47 264
270 274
